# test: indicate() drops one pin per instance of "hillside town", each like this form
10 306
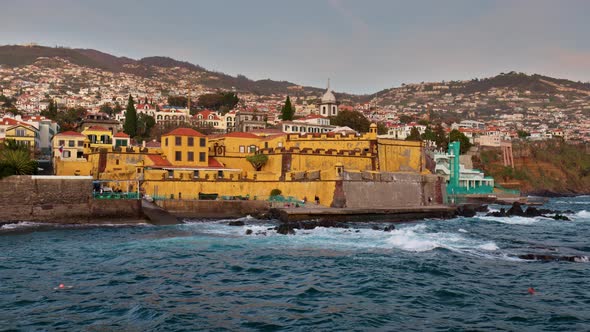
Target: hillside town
487 111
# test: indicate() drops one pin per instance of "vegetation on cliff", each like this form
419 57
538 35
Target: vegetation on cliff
548 167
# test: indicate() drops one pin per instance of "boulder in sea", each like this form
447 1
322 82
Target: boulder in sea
236 223
466 211
389 228
285 229
558 216
376 228
501 213
515 210
248 232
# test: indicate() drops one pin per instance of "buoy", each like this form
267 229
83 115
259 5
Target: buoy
531 291
62 285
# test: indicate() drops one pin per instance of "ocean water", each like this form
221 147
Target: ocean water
458 274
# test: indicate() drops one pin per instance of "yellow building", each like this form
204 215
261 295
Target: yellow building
23 134
98 136
300 165
68 154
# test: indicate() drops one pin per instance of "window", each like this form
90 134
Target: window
191 141
178 156
166 142
220 174
202 156
62 143
79 154
171 174
66 154
202 142
80 144
196 174
266 145
178 141
252 148
242 149
117 162
20 132
190 156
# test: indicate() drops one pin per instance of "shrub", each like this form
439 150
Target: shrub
275 192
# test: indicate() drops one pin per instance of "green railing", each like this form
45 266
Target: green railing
114 195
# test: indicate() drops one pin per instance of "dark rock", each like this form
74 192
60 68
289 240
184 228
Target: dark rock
558 216
285 229
357 231
515 210
501 213
376 228
466 211
532 212
549 258
248 231
236 223
389 228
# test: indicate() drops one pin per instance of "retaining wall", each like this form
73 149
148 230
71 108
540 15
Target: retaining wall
214 209
61 200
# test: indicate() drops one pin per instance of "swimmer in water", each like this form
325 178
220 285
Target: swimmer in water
62 287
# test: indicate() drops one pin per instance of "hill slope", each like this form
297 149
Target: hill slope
17 56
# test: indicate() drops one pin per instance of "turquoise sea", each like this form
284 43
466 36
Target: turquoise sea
459 274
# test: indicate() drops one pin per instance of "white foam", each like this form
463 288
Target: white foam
462 230
583 214
513 220
22 224
490 246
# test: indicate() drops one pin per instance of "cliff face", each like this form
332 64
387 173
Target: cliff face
543 168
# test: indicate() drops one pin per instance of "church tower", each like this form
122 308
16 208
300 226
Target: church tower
328 105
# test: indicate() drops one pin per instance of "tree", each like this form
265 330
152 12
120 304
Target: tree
382 128
352 119
145 123
257 161
405 119
107 109
70 118
130 125
178 101
15 159
220 101
523 134
414 135
51 111
464 140
288 111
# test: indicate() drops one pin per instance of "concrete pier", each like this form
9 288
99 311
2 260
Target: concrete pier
395 214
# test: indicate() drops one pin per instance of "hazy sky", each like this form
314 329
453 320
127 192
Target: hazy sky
363 46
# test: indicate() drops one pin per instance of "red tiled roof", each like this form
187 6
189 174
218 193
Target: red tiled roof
121 134
158 160
214 163
70 133
241 135
184 132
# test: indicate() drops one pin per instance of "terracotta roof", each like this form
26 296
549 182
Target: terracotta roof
214 163
241 135
121 134
97 128
158 160
184 132
70 133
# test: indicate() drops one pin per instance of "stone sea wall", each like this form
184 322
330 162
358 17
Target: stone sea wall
59 199
214 209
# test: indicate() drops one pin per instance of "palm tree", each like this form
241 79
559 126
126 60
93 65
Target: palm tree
15 159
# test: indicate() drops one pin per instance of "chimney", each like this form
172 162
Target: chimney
143 144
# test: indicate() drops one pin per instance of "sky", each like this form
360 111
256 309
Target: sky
362 46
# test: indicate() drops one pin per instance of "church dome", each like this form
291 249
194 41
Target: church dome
328 97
